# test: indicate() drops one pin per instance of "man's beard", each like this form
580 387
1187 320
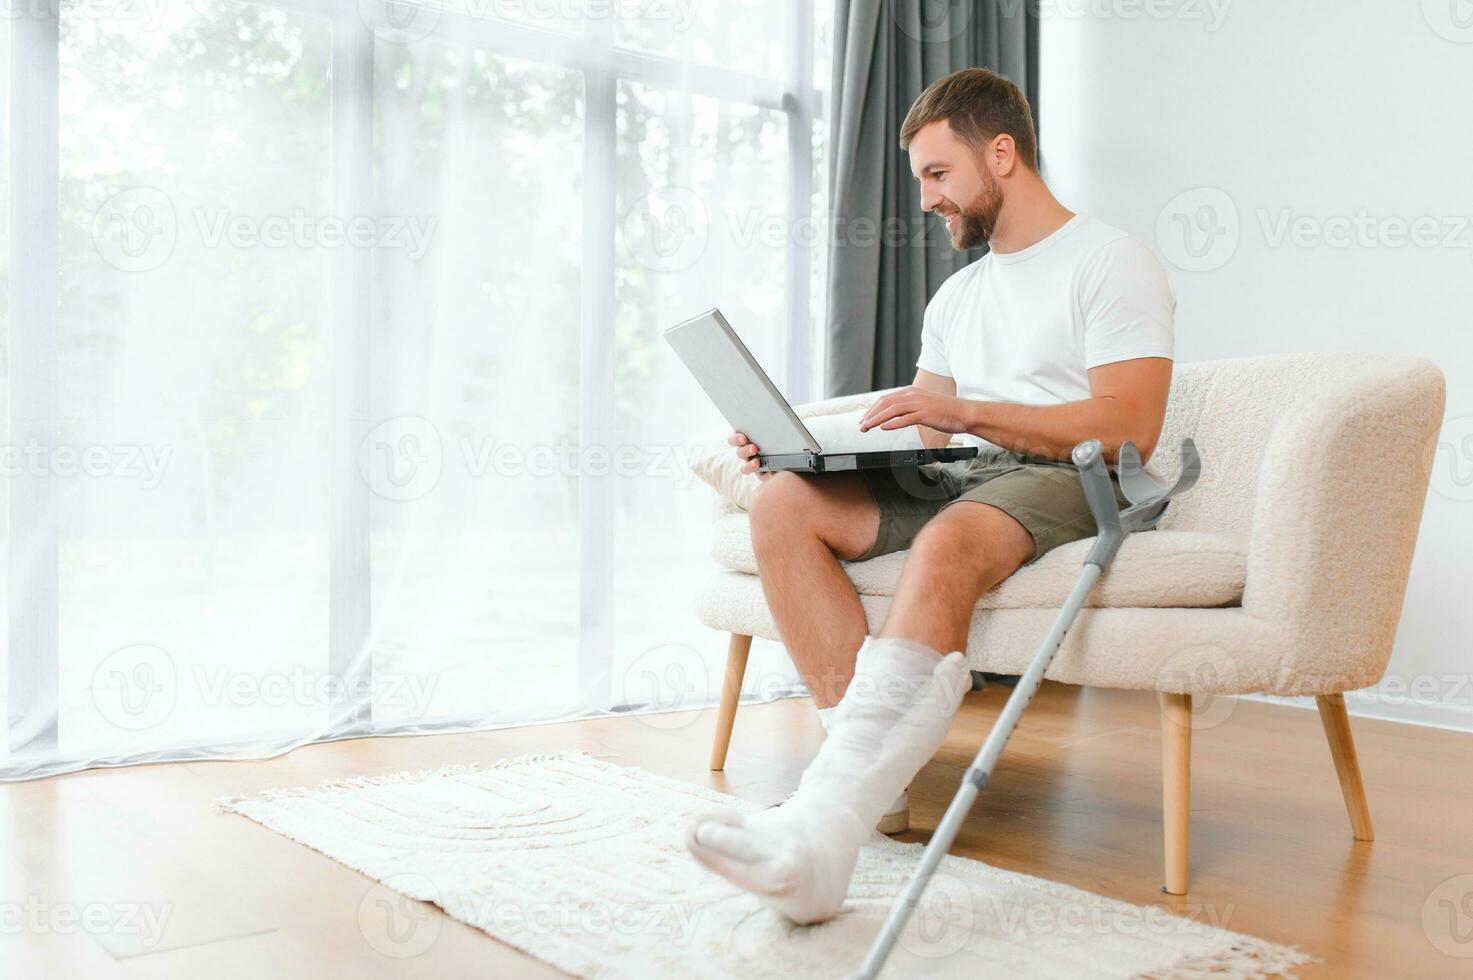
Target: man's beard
976 221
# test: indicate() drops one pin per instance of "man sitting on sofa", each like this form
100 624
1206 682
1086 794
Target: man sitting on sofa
1062 332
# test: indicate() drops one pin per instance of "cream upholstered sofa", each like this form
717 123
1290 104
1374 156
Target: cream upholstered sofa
1282 571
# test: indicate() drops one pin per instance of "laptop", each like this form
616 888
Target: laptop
752 405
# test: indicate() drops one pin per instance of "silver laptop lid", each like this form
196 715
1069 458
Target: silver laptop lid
737 385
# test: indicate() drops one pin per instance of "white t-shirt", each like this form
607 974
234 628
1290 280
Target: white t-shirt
1027 326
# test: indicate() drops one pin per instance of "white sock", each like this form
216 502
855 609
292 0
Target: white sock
799 857
826 717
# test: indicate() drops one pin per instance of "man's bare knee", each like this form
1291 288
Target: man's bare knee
779 502
947 558
839 512
966 551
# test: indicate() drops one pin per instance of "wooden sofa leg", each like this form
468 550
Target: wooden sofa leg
1342 749
1176 787
731 693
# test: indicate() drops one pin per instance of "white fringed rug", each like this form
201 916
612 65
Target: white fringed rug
582 864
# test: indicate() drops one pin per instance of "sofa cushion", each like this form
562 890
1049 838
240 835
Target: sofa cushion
1183 569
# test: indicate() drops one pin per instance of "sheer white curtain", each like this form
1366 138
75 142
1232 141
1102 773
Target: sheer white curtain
337 399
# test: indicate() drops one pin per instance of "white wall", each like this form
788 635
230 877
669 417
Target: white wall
1361 110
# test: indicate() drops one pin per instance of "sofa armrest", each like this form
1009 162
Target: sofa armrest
1341 486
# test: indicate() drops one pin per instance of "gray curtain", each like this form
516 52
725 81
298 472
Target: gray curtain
887 258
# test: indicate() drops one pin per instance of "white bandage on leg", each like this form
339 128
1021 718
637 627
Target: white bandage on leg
800 856
901 803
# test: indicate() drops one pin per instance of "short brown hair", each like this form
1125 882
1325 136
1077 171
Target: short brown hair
980 104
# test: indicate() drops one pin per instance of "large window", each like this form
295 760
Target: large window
337 398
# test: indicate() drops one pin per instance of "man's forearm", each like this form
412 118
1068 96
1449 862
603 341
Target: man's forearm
934 438
1054 430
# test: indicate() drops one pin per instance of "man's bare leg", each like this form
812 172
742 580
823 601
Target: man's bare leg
801 527
961 553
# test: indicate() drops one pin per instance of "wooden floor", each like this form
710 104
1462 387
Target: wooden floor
1076 799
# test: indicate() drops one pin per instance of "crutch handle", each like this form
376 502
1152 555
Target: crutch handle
1099 493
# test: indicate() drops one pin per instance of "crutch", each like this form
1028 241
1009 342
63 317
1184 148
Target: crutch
1148 502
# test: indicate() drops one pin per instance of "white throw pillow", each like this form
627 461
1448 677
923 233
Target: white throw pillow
721 468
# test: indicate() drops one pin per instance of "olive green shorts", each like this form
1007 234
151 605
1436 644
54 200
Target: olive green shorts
1041 494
